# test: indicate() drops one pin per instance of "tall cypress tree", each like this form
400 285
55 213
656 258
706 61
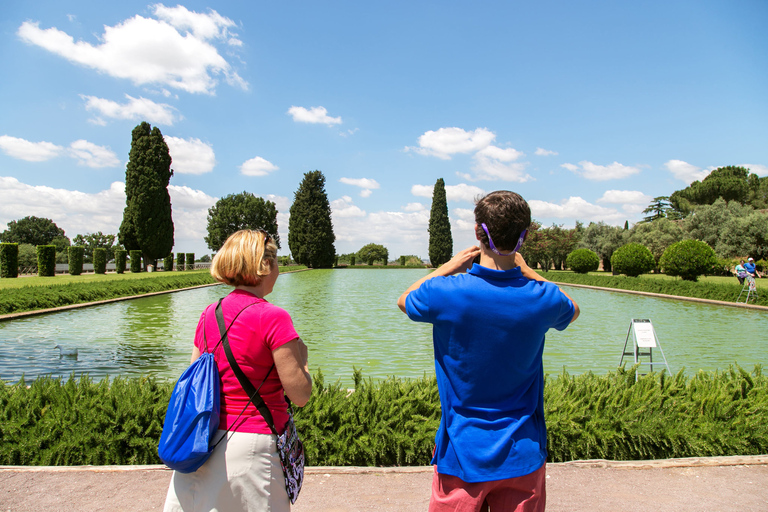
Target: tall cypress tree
440 239
147 223
310 230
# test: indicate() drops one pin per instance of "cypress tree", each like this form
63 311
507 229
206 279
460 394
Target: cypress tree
310 230
440 239
147 223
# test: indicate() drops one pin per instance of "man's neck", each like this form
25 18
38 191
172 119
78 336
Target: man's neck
490 259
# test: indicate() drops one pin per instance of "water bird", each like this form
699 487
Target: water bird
66 352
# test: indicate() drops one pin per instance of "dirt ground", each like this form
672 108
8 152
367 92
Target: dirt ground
716 484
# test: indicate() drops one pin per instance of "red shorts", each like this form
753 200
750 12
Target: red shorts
521 494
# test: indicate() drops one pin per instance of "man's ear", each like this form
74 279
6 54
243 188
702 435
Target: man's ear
477 237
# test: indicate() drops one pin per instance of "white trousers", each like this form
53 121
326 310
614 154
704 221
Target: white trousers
242 473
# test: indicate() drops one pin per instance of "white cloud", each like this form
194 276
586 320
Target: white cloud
493 164
315 115
460 192
189 198
625 197
596 172
544 152
760 170
573 208
257 166
502 155
190 156
282 203
414 207
366 184
150 51
29 151
445 142
135 109
91 155
686 172
343 207
465 219
190 215
73 211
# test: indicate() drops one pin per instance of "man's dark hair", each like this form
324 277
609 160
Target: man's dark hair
506 214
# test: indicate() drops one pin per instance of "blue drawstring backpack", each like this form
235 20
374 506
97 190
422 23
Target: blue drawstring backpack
192 418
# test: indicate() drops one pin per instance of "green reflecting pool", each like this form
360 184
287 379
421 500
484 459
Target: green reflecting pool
350 318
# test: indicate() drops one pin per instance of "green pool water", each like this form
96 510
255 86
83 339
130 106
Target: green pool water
349 318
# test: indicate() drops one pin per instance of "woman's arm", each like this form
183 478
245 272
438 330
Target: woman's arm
292 368
195 354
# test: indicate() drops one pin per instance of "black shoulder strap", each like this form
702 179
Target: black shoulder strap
250 389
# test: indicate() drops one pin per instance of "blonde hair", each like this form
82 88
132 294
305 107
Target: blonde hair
246 256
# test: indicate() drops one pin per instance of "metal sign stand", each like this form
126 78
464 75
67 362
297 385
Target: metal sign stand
643 337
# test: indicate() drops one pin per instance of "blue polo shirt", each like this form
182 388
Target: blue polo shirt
488 336
749 267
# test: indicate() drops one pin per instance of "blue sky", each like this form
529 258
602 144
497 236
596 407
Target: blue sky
587 109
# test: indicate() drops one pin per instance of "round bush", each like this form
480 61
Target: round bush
688 259
582 261
632 260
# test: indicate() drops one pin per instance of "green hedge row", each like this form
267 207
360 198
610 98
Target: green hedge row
393 422
75 255
46 260
30 298
700 290
9 260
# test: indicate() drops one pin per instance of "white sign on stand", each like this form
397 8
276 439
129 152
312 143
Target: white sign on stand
643 337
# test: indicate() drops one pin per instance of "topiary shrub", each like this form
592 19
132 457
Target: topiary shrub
632 260
120 260
46 260
135 261
352 260
180 261
99 260
75 256
190 257
582 261
9 260
168 263
688 259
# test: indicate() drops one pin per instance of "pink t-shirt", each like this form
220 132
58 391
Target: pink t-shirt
258 330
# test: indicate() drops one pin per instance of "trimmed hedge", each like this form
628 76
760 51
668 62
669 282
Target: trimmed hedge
9 260
632 260
75 259
120 260
136 266
393 422
30 298
179 261
582 261
168 263
700 290
688 259
99 260
46 260
190 257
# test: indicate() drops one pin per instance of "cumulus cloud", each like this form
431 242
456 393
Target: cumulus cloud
366 184
174 49
343 207
574 208
445 142
596 172
257 166
29 151
544 152
315 115
625 197
134 109
686 172
190 156
492 163
190 214
760 170
414 207
460 192
92 155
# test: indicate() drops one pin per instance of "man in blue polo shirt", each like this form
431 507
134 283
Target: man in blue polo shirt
488 334
751 269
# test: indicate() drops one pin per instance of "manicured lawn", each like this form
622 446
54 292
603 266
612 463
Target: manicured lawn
761 283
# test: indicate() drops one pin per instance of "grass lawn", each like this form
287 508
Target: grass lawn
761 283
61 279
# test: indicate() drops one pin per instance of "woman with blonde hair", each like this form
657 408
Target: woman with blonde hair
244 472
